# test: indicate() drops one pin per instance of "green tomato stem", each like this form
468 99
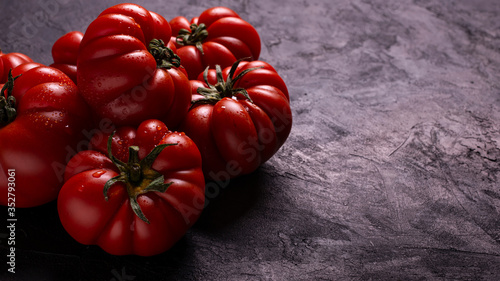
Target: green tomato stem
8 110
164 56
223 89
138 175
193 37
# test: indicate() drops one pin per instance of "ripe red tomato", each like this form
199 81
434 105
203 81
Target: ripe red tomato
10 61
37 138
126 73
65 53
217 37
240 119
137 192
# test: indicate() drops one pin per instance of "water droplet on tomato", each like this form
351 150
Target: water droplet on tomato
98 174
99 84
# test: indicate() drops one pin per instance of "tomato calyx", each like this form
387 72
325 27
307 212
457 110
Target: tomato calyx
8 103
138 175
194 36
164 56
223 89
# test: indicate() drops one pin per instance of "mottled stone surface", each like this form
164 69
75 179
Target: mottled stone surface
391 171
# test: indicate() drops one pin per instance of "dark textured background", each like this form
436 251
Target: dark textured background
391 171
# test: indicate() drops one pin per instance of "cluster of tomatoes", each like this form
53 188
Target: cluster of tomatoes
132 119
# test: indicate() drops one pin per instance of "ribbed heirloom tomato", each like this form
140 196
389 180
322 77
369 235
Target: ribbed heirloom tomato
217 37
137 192
125 71
42 118
10 61
65 53
240 117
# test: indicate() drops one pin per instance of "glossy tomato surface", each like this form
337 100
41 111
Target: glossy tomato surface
223 37
65 53
9 61
113 224
45 133
119 76
235 134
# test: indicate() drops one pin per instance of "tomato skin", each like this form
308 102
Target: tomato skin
229 38
191 60
112 224
44 135
10 61
65 53
119 77
236 135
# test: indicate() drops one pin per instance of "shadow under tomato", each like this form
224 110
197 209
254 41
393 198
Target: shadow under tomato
41 237
227 202
38 229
